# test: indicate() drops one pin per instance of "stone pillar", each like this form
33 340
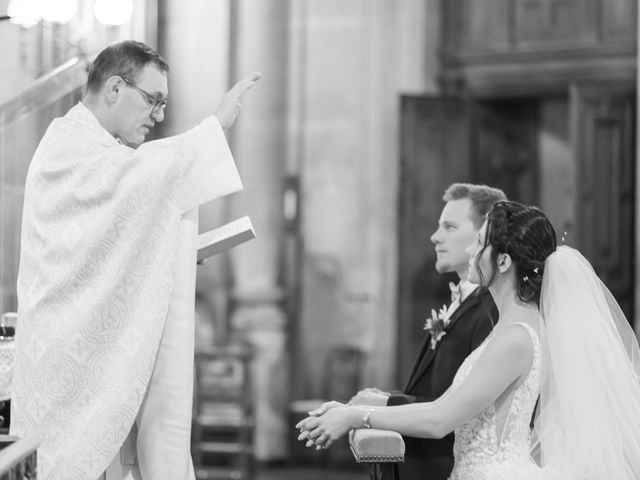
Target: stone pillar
194 39
347 116
260 44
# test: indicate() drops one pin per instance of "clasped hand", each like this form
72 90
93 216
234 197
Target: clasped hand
327 423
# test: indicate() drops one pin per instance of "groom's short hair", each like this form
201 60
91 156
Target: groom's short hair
482 199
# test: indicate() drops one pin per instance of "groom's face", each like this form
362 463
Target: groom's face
456 231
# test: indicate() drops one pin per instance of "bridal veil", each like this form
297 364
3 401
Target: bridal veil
587 425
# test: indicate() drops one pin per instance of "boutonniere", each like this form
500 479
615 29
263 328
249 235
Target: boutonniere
436 325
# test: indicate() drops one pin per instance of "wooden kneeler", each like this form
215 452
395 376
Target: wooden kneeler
380 449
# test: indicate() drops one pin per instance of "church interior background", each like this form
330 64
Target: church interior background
366 112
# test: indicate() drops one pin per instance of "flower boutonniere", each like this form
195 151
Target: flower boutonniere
436 325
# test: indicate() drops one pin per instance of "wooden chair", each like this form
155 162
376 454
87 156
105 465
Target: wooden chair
18 458
342 372
223 419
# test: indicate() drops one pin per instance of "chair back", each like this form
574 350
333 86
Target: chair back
342 373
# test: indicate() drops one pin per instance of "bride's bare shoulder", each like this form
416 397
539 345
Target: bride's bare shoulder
512 341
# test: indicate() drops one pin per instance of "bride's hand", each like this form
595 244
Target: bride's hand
324 407
328 423
302 425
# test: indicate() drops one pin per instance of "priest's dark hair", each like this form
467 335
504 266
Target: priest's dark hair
124 59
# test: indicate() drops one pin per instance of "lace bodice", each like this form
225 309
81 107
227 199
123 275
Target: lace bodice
498 436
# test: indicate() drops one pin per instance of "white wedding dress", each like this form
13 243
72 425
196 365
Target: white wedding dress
496 443
585 375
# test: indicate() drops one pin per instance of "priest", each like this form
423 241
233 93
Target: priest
103 372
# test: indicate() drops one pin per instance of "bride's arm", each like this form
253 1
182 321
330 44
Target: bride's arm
506 357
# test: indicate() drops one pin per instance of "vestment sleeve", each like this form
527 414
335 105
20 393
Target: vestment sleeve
208 170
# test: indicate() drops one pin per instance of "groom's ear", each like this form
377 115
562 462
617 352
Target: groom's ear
504 262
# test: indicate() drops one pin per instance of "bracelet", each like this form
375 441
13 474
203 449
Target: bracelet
365 418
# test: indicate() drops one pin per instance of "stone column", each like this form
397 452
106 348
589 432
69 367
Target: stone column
260 44
194 39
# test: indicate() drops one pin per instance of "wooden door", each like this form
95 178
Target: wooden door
435 152
505 147
602 121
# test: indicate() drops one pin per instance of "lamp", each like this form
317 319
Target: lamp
113 12
24 12
65 28
28 13
59 11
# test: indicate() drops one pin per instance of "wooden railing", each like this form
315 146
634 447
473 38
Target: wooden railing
18 458
23 120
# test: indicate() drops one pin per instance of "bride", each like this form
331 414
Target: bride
561 343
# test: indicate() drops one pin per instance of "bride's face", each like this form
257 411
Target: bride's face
480 260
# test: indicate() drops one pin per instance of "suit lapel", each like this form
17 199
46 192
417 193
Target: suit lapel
427 353
469 302
420 360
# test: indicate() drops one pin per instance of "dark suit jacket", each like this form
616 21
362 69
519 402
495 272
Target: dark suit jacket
432 374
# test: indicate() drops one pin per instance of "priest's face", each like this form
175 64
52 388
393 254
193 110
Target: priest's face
140 105
456 231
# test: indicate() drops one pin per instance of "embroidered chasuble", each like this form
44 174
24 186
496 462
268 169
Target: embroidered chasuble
105 287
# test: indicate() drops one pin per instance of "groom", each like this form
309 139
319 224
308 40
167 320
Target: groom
470 318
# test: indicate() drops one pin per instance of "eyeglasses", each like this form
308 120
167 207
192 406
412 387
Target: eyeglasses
152 100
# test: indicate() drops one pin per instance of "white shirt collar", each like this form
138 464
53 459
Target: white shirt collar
466 289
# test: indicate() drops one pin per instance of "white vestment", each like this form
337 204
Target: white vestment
105 287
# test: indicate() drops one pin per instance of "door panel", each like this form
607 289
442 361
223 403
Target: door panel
434 153
602 136
505 147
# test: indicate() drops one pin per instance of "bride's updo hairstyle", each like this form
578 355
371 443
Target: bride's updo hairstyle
528 237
